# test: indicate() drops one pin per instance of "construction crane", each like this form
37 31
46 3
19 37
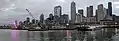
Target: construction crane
30 13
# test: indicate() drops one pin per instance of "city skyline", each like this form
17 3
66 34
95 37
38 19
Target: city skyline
25 14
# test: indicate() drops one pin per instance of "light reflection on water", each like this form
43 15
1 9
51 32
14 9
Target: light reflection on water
15 35
110 34
99 35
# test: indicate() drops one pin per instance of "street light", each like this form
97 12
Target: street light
67 24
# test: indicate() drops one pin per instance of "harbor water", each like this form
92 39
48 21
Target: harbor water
107 34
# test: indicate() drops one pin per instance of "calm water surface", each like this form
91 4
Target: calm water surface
110 34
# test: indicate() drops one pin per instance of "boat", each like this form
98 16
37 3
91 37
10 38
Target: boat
83 28
37 29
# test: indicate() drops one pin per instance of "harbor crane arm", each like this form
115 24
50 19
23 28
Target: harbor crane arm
30 13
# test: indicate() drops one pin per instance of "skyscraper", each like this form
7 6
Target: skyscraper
101 12
41 18
56 19
33 21
107 11
96 12
20 23
110 8
37 21
51 16
90 11
64 18
79 18
57 11
73 12
80 11
16 23
27 20
87 11
107 16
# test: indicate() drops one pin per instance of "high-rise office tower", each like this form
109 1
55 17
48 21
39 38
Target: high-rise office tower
107 11
90 11
107 16
79 18
73 12
51 16
56 19
41 18
110 8
96 12
66 17
80 11
87 11
16 23
24 22
36 21
20 23
33 21
101 12
62 19
57 11
27 20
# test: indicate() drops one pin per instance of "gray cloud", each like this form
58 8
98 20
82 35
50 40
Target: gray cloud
15 9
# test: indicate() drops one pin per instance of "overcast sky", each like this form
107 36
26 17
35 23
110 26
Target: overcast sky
11 10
